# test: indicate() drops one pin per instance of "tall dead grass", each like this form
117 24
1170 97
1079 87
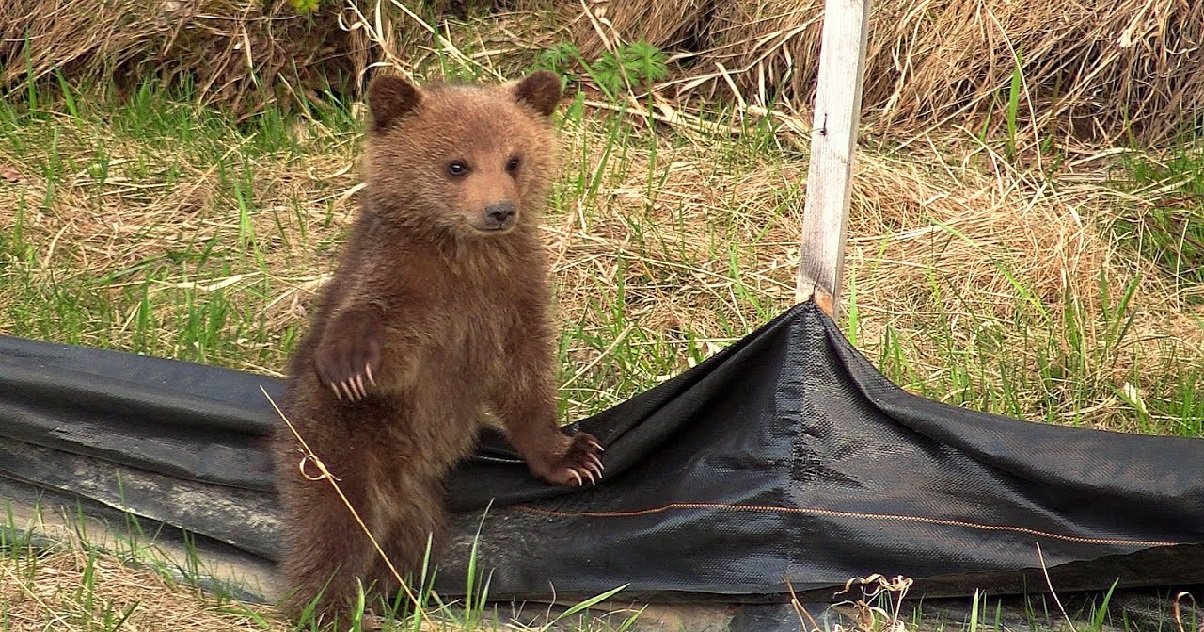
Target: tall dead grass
1098 70
670 24
242 54
232 51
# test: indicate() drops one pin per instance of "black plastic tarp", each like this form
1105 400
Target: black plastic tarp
785 461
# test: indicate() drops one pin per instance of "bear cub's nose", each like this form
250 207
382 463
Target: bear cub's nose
501 214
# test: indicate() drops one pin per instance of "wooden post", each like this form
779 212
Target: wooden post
833 144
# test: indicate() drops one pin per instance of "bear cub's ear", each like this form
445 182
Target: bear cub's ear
541 90
389 97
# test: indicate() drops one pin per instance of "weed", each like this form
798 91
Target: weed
636 66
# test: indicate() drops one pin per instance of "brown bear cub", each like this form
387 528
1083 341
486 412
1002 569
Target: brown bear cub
437 312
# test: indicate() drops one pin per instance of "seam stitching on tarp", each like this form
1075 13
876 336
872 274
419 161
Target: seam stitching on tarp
843 514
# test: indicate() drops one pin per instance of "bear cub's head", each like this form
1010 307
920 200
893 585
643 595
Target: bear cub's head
473 160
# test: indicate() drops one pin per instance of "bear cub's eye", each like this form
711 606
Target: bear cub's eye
512 165
457 168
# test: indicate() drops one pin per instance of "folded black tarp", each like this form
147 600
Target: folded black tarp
784 460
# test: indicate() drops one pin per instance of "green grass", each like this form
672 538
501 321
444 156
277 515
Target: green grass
1169 233
155 150
80 580
115 579
1073 357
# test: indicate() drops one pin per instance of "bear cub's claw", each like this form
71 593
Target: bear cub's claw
346 357
580 462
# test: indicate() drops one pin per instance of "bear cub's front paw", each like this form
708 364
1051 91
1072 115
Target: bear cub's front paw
579 462
348 355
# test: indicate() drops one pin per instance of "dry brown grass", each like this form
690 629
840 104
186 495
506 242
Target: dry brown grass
224 47
69 589
733 227
1047 238
241 54
667 24
1097 69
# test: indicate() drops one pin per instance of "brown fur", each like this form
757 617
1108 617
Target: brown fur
438 310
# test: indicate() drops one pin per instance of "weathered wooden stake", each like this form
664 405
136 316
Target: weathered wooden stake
833 144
